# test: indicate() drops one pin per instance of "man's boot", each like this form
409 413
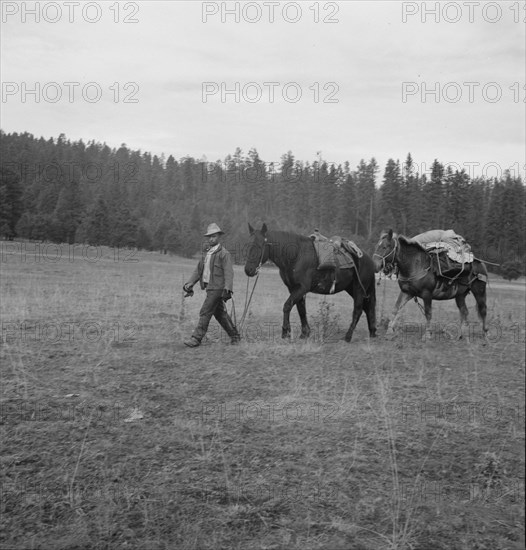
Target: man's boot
192 342
231 330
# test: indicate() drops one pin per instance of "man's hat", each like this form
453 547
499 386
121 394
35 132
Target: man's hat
212 229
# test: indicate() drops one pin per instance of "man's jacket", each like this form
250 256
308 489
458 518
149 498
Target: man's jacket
221 271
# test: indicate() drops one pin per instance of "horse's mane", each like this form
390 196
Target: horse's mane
284 240
288 236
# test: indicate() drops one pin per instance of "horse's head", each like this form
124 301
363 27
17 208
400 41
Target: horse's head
258 252
384 253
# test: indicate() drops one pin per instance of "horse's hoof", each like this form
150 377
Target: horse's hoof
348 338
285 335
304 336
372 334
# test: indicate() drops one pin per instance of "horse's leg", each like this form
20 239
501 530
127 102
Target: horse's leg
427 298
401 301
302 310
370 313
460 300
356 312
295 296
478 288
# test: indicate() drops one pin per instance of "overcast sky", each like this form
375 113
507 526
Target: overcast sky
176 55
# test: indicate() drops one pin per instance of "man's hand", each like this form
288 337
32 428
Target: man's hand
227 294
188 290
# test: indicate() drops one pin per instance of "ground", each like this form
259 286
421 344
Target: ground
115 435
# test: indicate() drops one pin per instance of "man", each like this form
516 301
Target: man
216 275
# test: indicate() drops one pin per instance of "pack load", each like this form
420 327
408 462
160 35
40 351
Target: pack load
450 253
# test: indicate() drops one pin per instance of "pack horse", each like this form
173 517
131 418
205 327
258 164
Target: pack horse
298 263
420 275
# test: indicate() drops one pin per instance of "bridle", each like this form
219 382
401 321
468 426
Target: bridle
384 258
265 243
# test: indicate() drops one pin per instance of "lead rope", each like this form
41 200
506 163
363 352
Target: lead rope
245 308
247 301
233 313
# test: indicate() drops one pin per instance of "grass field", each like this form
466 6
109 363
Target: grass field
115 435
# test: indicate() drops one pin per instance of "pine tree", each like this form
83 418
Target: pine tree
68 213
285 187
123 228
161 231
144 237
391 200
328 193
96 224
11 205
513 213
347 204
495 224
301 197
322 191
475 215
255 181
433 197
456 194
411 199
365 203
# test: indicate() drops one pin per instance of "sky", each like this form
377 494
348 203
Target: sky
341 80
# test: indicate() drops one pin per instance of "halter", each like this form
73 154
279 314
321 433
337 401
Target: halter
262 254
383 258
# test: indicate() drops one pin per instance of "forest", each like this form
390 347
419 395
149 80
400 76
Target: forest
59 190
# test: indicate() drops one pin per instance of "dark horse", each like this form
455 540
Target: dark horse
297 261
417 279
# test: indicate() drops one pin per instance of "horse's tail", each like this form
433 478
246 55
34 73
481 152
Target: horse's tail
480 271
365 274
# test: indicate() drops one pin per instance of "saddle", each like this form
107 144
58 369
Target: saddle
334 254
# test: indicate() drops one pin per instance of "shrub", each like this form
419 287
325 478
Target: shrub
511 270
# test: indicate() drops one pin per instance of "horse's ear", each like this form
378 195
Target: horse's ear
250 229
389 235
264 229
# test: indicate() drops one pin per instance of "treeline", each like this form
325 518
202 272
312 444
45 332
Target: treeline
65 191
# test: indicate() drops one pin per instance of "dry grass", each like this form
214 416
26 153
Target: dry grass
270 444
